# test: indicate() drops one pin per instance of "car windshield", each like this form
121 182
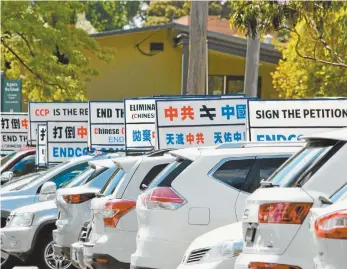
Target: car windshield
8 158
340 195
112 182
290 172
86 176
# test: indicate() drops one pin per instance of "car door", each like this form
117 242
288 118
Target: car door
262 168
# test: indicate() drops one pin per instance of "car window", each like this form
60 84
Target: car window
169 173
24 166
113 181
340 195
69 174
305 160
232 172
151 175
8 158
262 170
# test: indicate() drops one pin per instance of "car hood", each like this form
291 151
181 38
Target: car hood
33 208
9 189
224 233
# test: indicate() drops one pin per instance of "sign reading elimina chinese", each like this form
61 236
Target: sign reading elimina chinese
289 120
41 146
106 125
66 140
140 123
14 131
55 111
200 122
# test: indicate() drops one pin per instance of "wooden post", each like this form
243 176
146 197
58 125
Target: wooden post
252 66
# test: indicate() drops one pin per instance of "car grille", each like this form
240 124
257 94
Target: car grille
196 255
85 232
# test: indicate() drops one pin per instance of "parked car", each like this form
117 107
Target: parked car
110 239
205 188
275 222
329 226
33 240
28 193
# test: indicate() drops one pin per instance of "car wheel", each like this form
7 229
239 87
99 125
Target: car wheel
46 257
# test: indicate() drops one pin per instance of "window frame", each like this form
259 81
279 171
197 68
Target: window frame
223 161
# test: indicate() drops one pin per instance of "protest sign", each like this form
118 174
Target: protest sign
14 131
289 120
41 146
200 122
106 125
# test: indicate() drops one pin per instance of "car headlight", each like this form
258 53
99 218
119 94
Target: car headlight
223 250
21 220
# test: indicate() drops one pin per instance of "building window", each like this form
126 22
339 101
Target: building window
215 85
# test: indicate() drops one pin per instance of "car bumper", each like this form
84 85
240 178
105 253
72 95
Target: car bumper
154 253
224 264
17 239
65 236
243 260
76 254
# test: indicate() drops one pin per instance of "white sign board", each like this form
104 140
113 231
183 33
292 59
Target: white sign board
140 123
41 145
42 112
289 120
106 125
66 140
200 122
14 131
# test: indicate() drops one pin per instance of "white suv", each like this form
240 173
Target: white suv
275 222
205 188
112 238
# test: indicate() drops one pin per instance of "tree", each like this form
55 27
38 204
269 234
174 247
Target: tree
297 77
39 41
160 12
285 16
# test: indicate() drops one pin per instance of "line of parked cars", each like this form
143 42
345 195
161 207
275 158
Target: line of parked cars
245 205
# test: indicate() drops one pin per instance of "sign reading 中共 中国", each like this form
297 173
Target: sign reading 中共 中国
41 145
11 95
42 112
106 125
14 131
200 122
140 123
66 140
289 120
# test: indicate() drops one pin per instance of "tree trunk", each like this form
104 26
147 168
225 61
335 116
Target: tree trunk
197 48
252 66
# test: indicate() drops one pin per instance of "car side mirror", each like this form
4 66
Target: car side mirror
47 192
325 201
6 176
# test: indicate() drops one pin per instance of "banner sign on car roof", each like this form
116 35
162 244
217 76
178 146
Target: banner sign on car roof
200 122
42 112
140 123
14 131
66 140
289 120
106 125
41 145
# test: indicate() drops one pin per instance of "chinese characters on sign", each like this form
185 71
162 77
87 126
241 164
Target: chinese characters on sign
41 146
200 122
14 130
106 124
289 120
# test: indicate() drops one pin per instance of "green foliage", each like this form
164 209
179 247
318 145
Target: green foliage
39 41
160 12
295 77
110 15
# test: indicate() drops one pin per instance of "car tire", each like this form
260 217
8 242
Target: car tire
43 256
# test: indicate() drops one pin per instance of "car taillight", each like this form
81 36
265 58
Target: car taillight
114 210
78 198
283 213
333 225
263 265
162 198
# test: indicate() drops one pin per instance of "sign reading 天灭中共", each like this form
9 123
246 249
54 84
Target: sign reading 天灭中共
42 112
106 125
140 123
289 120
11 95
14 131
200 122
